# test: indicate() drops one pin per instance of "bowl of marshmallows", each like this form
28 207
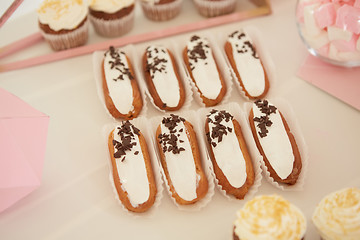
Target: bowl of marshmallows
330 30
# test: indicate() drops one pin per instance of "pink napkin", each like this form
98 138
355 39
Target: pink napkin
23 132
343 83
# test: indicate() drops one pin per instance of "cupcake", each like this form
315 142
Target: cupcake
337 216
161 10
213 8
112 18
269 217
63 23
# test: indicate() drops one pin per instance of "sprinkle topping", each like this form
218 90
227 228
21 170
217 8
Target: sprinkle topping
217 117
198 52
170 142
263 121
155 63
116 63
244 46
127 139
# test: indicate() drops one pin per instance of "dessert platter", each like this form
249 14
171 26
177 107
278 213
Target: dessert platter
140 146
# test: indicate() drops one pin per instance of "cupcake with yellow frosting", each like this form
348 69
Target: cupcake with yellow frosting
63 23
269 217
337 216
112 18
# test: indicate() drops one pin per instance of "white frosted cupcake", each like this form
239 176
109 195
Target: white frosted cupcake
112 18
269 217
63 23
213 8
337 216
161 10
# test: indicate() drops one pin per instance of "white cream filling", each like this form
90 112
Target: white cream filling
132 173
229 157
269 218
165 82
64 14
204 71
181 166
250 69
110 6
276 145
120 91
337 216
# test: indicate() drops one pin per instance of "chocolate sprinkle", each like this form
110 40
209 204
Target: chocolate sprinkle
127 140
219 130
246 45
169 141
263 121
154 62
198 52
116 63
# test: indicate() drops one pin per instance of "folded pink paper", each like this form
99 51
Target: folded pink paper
343 83
23 132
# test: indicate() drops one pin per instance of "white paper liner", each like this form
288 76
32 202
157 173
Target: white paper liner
266 60
235 110
140 72
115 27
290 118
179 46
142 124
97 59
215 8
161 12
190 116
63 41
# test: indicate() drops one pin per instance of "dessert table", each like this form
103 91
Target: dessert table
75 199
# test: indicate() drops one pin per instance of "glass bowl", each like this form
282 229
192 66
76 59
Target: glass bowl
330 30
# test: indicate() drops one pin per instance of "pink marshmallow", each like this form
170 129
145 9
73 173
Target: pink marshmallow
324 50
325 15
346 46
348 18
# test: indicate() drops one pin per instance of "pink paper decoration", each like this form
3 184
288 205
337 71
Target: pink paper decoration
23 132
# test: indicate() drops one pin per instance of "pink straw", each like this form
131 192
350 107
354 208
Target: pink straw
10 11
131 39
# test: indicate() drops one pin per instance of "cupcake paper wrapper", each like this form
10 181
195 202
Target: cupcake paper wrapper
223 67
161 12
215 8
63 41
142 124
190 116
113 28
235 110
266 60
97 59
289 115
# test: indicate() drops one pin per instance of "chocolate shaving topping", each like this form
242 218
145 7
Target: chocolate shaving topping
170 141
245 46
263 121
116 63
216 133
127 141
154 62
198 52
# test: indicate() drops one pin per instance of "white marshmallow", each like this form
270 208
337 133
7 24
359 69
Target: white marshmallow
336 33
311 26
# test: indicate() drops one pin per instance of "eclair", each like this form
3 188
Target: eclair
204 70
229 154
180 159
131 168
162 77
275 142
121 91
247 65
